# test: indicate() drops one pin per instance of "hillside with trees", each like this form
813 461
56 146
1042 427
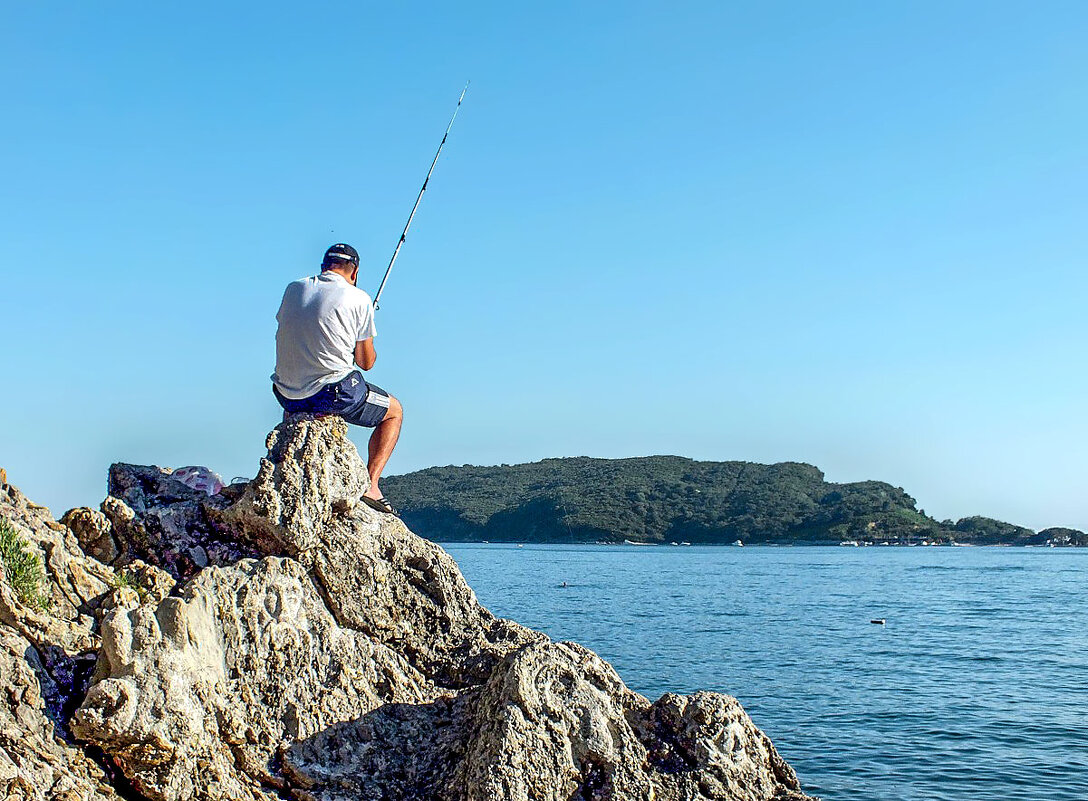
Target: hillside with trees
663 499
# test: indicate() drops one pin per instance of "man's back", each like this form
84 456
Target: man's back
326 329
320 320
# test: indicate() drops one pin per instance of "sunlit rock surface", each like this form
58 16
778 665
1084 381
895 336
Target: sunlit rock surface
316 649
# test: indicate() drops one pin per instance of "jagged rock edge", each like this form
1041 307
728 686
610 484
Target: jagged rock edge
319 585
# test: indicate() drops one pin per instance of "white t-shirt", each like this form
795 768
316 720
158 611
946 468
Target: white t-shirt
320 320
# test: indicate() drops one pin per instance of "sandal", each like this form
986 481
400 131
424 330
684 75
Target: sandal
380 504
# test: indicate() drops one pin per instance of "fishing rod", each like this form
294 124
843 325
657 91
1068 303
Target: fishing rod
404 233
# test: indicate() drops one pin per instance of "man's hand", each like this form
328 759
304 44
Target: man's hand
365 355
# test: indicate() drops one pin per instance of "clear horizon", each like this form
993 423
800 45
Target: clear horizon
847 234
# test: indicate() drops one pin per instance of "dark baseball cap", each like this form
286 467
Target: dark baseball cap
339 253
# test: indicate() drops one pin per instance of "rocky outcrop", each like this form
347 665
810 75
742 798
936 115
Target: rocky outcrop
46 656
316 649
94 533
312 477
158 519
378 577
74 584
248 659
554 722
36 761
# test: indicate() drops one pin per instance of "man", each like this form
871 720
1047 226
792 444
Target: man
326 330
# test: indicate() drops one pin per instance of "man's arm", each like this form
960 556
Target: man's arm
365 355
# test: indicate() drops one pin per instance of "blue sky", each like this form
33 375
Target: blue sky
847 233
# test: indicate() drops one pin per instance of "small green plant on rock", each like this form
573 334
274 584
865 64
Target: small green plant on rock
22 568
126 579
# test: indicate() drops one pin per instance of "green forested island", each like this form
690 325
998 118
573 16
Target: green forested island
670 499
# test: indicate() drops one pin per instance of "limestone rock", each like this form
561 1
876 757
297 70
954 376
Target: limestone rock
35 761
556 722
378 577
705 745
94 532
160 520
313 473
74 582
408 752
408 593
63 634
46 657
553 723
151 584
351 660
198 695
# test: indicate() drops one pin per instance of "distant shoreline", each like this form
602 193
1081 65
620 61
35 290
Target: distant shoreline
659 500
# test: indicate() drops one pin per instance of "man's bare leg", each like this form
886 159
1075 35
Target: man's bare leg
382 441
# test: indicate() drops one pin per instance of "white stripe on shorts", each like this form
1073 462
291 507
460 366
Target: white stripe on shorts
378 399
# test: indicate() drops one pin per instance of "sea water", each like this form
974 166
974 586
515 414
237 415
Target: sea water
974 689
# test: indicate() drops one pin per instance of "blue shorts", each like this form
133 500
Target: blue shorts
353 399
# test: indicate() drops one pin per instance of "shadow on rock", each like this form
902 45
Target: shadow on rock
408 752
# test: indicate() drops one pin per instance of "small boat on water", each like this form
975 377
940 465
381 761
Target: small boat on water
848 544
738 543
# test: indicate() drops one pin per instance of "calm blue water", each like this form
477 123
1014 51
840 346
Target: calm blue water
975 690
